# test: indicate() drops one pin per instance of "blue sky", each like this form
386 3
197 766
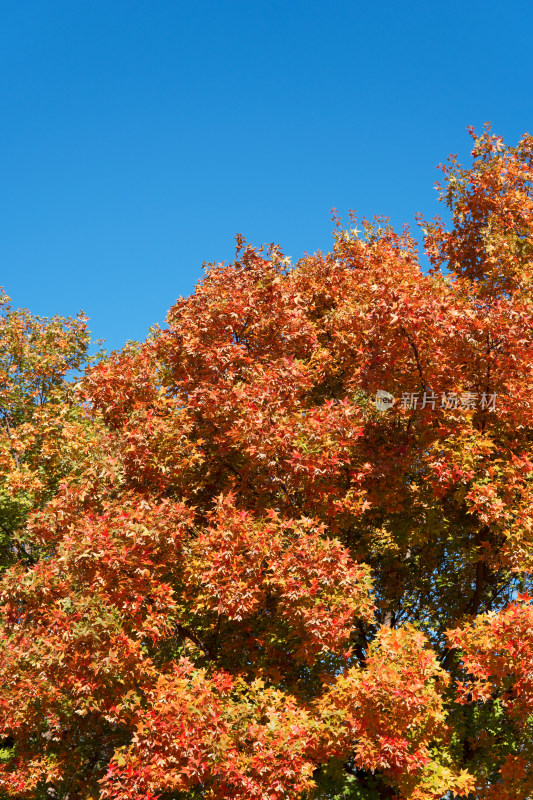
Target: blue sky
139 136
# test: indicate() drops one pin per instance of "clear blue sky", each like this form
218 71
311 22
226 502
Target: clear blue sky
139 136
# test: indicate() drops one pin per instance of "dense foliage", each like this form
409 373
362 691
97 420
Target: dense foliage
228 573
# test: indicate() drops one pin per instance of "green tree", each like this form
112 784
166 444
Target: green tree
37 356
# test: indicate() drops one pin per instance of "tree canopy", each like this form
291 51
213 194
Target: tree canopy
227 572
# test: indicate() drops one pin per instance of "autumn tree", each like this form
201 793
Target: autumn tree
38 361
251 580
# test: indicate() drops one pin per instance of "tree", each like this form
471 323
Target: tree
251 581
37 359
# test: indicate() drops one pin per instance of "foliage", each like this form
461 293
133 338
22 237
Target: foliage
227 573
36 412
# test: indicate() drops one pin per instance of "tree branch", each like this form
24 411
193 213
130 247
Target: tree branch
187 633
